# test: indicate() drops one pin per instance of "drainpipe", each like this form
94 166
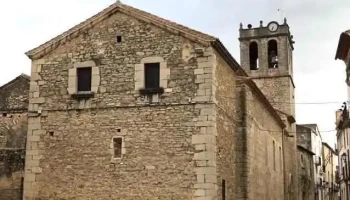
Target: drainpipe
284 164
244 138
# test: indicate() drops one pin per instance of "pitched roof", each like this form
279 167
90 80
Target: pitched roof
343 45
139 14
14 80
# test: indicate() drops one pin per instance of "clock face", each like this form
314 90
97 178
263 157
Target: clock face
273 27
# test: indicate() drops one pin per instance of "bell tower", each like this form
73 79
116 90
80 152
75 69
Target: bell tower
267 57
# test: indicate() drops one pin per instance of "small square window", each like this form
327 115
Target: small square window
152 75
117 146
84 79
119 39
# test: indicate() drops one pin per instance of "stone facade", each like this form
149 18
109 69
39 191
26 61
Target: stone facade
13 128
208 133
256 45
306 190
306 165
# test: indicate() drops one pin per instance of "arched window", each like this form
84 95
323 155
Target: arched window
273 54
253 56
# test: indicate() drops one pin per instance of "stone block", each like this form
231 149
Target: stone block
198 71
203 139
139 68
37 100
164 74
202 163
204 198
95 80
210 178
72 72
202 98
205 155
209 192
199 193
89 63
163 83
34 126
35 77
205 86
72 90
200 147
32 138
208 111
37 170
153 59
200 178
95 71
32 152
204 186
29 177
205 170
38 132
72 81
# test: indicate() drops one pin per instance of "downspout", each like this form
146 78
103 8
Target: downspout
245 142
284 164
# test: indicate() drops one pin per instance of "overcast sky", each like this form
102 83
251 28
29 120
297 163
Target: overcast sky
316 26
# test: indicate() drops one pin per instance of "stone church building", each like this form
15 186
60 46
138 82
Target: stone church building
127 105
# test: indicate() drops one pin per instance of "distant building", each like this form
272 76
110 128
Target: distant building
14 101
307 132
329 185
306 165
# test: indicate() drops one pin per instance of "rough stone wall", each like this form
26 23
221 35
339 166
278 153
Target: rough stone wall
264 151
15 95
245 154
13 129
304 137
306 184
169 145
229 141
279 90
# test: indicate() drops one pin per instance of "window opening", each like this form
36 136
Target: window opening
152 75
84 79
117 145
253 56
119 39
273 54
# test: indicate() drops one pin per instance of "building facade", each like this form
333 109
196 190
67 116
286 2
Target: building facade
342 119
267 57
316 145
306 165
329 185
13 131
127 105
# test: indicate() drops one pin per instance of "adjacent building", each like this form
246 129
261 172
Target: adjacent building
316 146
127 105
342 119
330 187
13 131
306 165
